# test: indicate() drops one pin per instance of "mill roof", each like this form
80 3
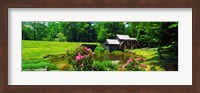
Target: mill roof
112 41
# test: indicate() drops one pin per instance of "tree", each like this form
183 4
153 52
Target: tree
131 29
33 30
159 34
107 30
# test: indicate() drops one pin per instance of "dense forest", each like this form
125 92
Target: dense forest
148 34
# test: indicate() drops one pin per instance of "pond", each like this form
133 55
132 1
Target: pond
122 57
62 64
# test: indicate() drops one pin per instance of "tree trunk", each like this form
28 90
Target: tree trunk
159 52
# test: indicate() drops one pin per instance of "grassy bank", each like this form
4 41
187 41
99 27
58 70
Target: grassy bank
152 59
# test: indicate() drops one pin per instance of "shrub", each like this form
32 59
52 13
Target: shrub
99 49
44 39
104 66
134 64
81 58
60 37
49 38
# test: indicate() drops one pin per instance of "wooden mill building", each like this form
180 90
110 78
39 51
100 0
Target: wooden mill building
120 43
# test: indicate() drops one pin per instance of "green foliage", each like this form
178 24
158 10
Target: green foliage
104 66
131 29
116 52
174 25
126 51
71 30
37 64
109 30
100 49
80 32
33 30
158 34
156 68
44 39
60 37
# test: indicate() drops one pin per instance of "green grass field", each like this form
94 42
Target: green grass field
38 49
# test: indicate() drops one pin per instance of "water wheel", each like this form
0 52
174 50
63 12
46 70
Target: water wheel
128 46
123 45
133 44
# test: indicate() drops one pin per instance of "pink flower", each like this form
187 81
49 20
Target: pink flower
86 49
79 57
139 59
143 65
92 53
82 65
129 60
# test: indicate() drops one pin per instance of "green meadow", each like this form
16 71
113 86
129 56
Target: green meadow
39 49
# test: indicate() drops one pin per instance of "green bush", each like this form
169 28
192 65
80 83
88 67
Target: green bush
60 37
81 58
49 38
104 66
37 64
99 49
44 39
135 64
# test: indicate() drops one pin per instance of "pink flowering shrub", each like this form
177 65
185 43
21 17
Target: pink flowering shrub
81 58
135 64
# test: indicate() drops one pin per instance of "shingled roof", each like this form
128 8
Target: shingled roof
124 37
112 41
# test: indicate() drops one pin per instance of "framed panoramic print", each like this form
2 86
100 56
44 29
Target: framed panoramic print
99 46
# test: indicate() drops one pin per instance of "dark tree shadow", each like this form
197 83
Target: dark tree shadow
168 63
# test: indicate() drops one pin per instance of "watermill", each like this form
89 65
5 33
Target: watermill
120 43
